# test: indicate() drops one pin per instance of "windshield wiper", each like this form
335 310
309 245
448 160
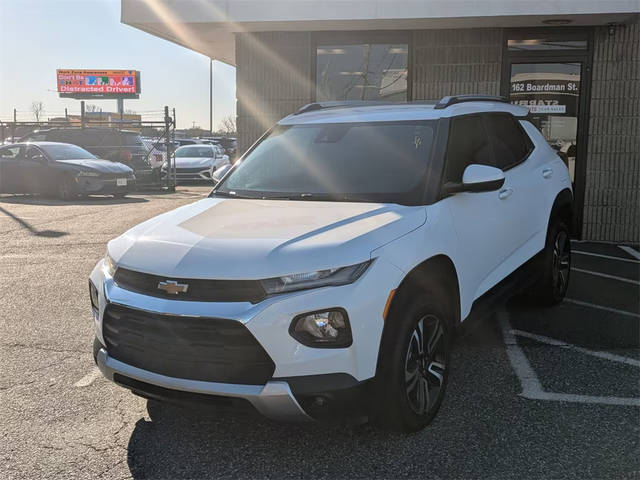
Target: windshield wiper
322 197
230 195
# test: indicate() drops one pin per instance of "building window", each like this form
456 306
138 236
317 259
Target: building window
372 71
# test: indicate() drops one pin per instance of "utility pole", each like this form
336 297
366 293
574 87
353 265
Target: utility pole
211 96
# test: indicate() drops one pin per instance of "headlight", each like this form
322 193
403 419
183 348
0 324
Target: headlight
88 174
324 329
321 278
109 266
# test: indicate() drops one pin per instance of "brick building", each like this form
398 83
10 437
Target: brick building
575 63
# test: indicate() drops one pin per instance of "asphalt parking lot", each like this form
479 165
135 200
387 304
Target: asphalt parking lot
534 393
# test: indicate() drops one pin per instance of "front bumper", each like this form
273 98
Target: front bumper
296 381
273 400
190 174
104 186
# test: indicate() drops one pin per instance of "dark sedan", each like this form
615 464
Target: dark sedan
61 169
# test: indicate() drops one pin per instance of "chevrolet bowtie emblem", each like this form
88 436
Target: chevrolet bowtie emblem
173 287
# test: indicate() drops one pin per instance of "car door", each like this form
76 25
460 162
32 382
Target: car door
483 232
522 196
33 169
9 179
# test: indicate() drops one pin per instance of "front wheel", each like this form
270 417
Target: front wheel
414 367
66 189
556 266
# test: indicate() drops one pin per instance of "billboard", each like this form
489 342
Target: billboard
98 83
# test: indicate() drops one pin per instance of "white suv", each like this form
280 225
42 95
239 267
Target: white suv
328 270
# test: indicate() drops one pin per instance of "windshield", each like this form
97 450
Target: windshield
377 162
66 152
194 151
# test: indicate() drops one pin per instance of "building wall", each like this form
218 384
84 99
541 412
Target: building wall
273 79
612 194
447 62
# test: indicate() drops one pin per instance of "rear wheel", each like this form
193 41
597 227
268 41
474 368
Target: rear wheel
556 266
414 367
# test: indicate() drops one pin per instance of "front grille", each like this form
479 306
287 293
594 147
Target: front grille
198 290
194 348
192 170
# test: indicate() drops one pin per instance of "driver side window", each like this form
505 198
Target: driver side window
34 153
468 144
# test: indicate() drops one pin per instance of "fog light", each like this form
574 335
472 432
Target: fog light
322 329
93 294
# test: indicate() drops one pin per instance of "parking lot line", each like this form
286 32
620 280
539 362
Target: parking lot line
601 307
531 386
604 275
571 397
594 353
631 251
610 257
528 378
88 379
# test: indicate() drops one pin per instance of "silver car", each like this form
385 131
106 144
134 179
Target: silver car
197 162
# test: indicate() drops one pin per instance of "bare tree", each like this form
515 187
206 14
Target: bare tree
228 124
37 108
90 108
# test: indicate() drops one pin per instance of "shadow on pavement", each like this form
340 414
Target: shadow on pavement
47 201
31 229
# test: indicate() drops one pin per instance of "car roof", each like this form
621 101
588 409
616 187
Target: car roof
39 144
398 112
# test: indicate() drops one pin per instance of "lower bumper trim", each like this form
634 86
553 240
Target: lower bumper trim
273 400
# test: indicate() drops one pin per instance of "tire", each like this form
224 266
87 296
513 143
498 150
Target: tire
65 189
414 362
556 267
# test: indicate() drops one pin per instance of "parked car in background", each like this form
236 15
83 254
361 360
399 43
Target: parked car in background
184 141
107 143
355 242
197 162
230 146
219 173
157 152
61 169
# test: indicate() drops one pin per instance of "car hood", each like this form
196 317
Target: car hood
253 239
96 165
194 162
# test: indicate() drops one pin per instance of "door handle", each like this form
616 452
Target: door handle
505 193
547 173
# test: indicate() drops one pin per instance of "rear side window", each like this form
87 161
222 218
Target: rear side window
511 145
9 152
468 143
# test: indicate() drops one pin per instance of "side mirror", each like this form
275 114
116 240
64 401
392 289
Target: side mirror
39 158
476 178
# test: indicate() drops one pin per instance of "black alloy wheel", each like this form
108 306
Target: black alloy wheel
425 364
561 264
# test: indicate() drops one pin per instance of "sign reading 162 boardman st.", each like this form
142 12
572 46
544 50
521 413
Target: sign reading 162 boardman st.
558 94
105 83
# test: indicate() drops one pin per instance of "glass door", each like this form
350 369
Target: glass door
549 71
551 91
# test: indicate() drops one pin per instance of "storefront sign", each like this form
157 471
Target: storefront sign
546 93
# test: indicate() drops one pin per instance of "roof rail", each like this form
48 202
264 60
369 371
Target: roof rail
357 103
452 100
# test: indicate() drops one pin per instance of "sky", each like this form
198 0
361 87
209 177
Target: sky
39 36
